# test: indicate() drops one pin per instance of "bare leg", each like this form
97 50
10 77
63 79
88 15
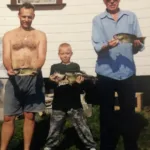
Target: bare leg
28 130
7 131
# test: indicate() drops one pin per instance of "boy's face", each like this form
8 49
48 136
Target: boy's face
65 54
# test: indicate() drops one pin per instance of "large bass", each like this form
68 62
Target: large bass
70 78
128 38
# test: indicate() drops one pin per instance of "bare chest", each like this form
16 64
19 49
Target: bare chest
21 41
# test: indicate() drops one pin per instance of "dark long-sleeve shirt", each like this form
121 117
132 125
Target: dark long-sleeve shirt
66 96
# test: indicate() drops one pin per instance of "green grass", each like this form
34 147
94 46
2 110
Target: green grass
69 133
144 139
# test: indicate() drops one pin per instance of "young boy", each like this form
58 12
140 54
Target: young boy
67 102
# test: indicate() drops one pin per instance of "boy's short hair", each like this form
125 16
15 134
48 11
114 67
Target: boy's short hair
27 5
64 45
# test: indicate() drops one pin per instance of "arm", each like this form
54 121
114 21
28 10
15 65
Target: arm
52 83
52 70
98 37
7 54
98 40
79 79
77 68
137 46
42 49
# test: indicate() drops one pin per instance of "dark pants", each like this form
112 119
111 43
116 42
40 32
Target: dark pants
110 126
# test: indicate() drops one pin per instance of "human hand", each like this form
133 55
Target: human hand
112 43
79 79
56 77
136 43
11 72
53 78
34 72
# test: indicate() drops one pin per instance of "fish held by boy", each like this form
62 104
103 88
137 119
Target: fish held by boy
128 38
70 78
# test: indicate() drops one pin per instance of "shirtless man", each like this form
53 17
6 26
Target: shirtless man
24 52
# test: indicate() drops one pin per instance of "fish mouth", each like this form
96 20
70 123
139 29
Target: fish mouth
118 37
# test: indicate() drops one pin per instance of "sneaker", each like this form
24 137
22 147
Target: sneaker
92 149
47 148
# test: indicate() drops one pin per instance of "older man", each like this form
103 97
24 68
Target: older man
24 52
115 69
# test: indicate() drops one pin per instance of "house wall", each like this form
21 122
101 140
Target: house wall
73 24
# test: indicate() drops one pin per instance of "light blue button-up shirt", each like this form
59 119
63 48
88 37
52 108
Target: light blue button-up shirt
117 62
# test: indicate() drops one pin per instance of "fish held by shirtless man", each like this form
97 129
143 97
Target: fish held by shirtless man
24 53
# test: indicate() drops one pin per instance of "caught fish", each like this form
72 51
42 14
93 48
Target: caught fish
70 78
39 116
25 71
128 38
